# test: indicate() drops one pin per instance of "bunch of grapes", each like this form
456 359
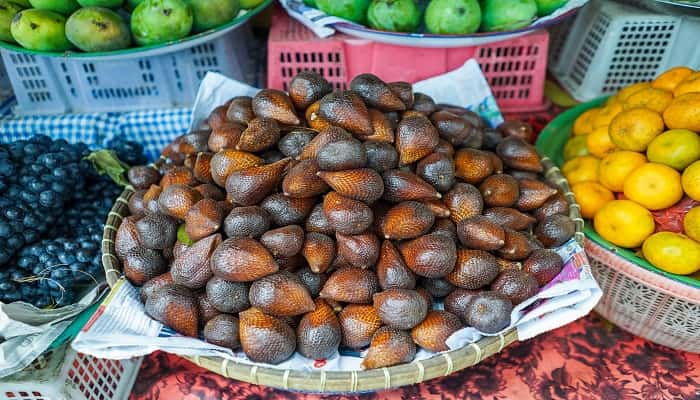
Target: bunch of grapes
52 212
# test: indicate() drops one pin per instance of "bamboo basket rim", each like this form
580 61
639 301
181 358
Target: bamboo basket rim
651 279
441 364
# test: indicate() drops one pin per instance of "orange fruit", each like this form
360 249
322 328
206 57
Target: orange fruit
606 115
591 197
691 223
691 181
575 146
672 252
671 78
628 91
584 123
615 167
635 128
624 223
651 98
690 84
655 186
684 112
599 143
581 169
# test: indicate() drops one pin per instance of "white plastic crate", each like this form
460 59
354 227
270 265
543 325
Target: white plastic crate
612 45
65 374
45 85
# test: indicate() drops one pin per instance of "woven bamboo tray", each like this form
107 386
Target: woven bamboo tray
638 297
441 364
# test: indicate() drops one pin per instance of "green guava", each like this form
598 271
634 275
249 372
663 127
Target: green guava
353 10
210 14
8 10
40 30
506 15
394 15
98 29
65 7
546 7
453 17
160 21
101 3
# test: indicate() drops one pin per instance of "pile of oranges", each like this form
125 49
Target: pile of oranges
635 161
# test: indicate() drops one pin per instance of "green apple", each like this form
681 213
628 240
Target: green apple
453 17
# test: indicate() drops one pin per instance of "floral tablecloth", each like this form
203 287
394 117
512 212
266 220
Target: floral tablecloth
587 360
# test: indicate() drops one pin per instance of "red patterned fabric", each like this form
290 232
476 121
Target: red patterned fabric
586 360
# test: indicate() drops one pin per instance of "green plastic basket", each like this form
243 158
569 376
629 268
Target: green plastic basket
551 143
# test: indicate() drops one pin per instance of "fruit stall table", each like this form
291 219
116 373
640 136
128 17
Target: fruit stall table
588 359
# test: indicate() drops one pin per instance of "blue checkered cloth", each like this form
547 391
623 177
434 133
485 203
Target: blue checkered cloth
153 128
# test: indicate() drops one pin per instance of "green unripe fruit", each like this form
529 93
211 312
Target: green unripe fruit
394 15
506 15
8 10
546 7
97 29
40 30
353 10
453 17
160 21
250 4
65 7
210 14
101 3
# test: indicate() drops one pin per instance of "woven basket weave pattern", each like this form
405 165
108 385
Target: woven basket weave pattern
342 381
653 307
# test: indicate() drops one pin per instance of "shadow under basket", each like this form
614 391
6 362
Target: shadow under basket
646 303
439 365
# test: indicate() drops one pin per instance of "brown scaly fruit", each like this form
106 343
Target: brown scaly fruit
281 295
444 147
518 154
544 265
351 285
404 186
250 185
225 137
313 281
142 264
143 176
392 271
430 255
341 155
518 129
285 241
240 109
137 208
358 323
127 237
456 302
275 104
178 175
480 233
226 296
202 167
228 161
345 215
382 127
516 285
438 208
416 137
346 110
389 347
207 312
533 194
362 184
192 268
376 93
265 338
157 231
474 269
210 191
176 307
407 220
489 312
261 134
436 287
423 103
314 118
223 330
154 284
517 246
308 87
317 221
293 143
509 218
464 201
404 91
242 260
318 333
492 137
360 251
251 221
438 170
176 200
319 251
381 156
556 204
203 219
472 166
436 328
500 190
285 210
555 230
445 227
400 308
150 199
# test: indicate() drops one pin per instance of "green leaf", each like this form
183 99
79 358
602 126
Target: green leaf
183 237
106 162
